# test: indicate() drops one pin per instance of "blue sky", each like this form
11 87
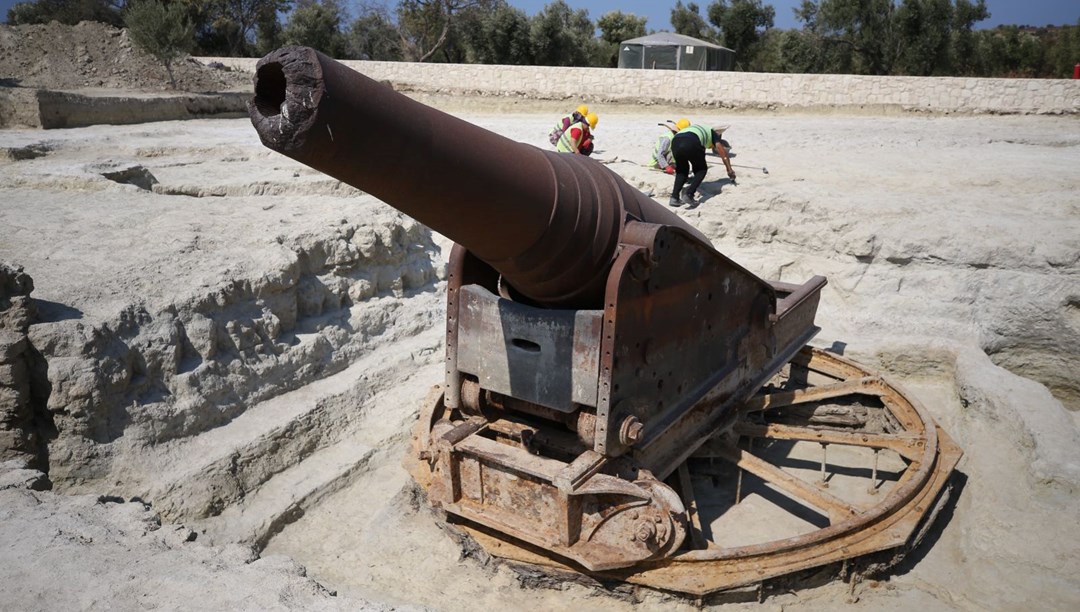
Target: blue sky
1020 12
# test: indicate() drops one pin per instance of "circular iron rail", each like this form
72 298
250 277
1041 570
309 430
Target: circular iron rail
890 524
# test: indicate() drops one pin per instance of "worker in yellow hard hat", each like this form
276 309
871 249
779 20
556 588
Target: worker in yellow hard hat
579 115
578 138
661 154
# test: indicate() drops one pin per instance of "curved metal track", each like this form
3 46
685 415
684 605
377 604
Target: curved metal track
829 462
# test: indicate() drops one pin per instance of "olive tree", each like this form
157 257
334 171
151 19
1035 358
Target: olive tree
161 30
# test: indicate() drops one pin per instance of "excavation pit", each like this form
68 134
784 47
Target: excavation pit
250 364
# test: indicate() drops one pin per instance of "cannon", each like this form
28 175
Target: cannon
598 349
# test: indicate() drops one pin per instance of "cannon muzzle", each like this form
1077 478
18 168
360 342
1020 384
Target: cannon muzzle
548 223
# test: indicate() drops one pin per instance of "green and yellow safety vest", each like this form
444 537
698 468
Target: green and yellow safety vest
566 143
703 133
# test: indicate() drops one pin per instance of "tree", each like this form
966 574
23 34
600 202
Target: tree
965 15
373 36
800 51
162 31
1009 51
923 30
562 36
1063 51
922 37
69 12
316 24
238 19
865 28
269 34
741 24
687 20
615 27
424 25
495 33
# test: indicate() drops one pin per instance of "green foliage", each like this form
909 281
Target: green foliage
373 36
316 24
238 20
917 37
495 34
424 26
794 51
269 34
741 24
865 29
161 30
615 27
68 12
561 36
1063 51
923 37
687 20
903 37
1009 51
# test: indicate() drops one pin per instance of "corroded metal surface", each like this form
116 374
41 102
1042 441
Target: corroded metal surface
599 350
550 223
891 524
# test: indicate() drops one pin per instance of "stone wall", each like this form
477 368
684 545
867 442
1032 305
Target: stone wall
728 89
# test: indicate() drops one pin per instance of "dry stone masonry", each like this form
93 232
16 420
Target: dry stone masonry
739 90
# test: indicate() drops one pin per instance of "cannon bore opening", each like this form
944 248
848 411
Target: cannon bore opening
270 89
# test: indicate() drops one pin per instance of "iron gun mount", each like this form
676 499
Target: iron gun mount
598 350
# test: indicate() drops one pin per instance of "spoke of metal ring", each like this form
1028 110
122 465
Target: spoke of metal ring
697 536
906 446
738 483
873 476
824 450
836 509
867 385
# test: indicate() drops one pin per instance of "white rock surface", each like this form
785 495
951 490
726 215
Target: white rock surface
175 311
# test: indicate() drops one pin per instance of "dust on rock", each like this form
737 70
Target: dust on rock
92 55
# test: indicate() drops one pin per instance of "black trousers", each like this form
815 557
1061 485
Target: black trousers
688 152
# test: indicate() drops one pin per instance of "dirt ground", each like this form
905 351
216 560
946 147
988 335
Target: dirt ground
237 347
95 55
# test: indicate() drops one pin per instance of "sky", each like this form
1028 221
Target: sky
1018 12
1015 12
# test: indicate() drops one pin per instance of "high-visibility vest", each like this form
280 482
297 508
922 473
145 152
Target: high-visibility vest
566 143
663 145
703 133
563 125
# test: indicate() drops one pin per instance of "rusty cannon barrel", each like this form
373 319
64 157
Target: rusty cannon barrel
549 223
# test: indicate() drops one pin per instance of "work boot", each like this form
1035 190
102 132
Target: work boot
688 198
674 202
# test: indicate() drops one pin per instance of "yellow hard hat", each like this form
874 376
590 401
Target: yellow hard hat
583 110
683 123
593 119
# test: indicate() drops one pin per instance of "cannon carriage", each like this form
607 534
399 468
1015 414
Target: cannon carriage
601 356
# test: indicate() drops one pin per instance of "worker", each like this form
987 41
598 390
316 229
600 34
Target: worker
578 137
661 155
688 148
577 116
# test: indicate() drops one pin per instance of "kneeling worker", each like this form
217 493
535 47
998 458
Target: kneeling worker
661 154
578 137
688 149
564 124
